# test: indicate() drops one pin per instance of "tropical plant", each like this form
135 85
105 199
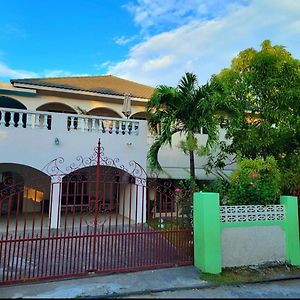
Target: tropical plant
184 198
184 109
255 182
263 87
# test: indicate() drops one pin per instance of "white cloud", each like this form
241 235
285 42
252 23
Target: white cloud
159 63
206 46
161 14
7 72
122 40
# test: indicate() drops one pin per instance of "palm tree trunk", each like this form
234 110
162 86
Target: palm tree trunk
192 164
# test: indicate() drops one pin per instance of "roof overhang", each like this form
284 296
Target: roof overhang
11 90
74 91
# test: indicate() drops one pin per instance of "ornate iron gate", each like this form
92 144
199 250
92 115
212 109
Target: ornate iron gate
96 217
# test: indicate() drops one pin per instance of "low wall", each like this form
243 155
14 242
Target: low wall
231 236
252 245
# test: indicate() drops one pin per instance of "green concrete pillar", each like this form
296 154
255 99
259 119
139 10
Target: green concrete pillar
291 229
207 233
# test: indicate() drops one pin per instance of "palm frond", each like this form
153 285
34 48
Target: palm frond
164 138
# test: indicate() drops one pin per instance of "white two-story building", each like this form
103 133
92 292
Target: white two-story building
73 158
46 119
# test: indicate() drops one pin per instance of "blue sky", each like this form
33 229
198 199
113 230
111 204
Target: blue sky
149 41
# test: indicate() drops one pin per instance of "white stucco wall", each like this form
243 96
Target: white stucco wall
36 147
242 246
174 162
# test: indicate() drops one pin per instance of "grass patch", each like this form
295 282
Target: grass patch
252 274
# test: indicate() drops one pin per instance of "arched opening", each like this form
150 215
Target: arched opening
57 107
8 102
87 195
24 196
104 112
139 116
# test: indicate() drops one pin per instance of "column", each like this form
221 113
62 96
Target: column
55 202
207 233
291 229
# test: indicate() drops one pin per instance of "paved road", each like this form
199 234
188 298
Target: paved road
278 289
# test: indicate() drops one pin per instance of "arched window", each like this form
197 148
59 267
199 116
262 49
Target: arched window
57 107
8 102
104 112
139 116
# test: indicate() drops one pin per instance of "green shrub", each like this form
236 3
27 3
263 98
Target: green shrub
220 186
255 182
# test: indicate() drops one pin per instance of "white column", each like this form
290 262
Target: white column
55 202
141 200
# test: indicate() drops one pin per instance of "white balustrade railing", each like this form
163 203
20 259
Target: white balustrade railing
102 124
19 118
251 213
24 118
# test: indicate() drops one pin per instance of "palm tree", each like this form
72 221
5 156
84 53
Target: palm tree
186 109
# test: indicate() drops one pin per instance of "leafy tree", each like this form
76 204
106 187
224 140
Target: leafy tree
185 109
263 89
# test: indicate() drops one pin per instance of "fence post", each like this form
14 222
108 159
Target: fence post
207 233
291 229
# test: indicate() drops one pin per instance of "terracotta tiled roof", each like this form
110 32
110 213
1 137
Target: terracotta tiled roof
107 84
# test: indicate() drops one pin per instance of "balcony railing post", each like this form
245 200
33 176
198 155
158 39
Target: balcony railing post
135 128
106 126
86 124
113 126
79 125
12 121
2 119
45 124
72 123
37 121
93 124
20 121
28 122
100 128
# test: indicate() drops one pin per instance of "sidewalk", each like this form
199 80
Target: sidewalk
110 285
145 282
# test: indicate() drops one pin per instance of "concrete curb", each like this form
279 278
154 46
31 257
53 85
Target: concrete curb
208 285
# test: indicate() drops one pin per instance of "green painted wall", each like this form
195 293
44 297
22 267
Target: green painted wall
207 231
291 229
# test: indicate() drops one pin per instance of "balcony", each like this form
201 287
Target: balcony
44 120
34 138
